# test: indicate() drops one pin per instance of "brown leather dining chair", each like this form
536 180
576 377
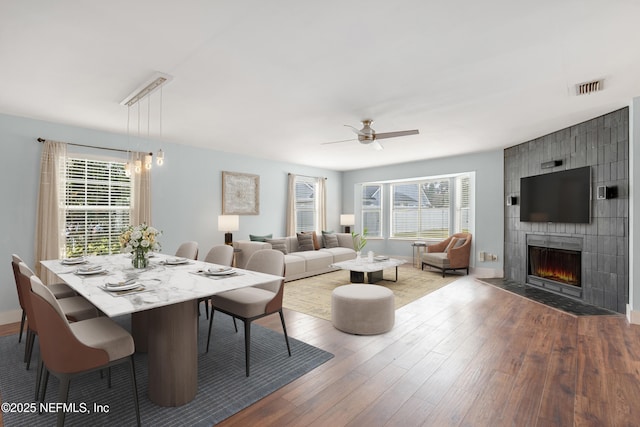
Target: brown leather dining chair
60 290
74 308
252 303
71 349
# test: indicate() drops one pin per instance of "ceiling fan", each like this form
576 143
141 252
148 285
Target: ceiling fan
368 136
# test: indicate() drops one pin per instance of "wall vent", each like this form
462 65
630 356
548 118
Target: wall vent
589 87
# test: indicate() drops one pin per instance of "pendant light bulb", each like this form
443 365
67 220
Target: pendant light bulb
127 169
148 161
160 157
138 166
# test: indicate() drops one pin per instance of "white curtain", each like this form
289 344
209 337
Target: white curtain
140 193
291 206
50 227
322 204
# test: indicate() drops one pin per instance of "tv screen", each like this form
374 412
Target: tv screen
557 197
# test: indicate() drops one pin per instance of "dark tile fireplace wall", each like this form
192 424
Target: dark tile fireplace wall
603 144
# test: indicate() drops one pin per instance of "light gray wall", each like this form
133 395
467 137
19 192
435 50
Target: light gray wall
186 191
489 212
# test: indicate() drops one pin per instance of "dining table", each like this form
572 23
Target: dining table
162 300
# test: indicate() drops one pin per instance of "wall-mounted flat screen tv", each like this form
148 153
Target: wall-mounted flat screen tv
563 196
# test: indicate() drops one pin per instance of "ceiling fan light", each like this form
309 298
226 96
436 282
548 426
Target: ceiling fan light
376 145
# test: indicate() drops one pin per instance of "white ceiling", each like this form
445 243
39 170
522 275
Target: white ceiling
275 79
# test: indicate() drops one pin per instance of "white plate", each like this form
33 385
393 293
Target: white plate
176 261
72 261
121 288
89 272
219 272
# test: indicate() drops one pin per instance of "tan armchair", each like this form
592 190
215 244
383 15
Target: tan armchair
452 253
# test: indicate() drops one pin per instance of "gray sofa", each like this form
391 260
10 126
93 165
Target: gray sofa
300 264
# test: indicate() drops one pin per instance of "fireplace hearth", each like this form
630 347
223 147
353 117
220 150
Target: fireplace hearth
555 263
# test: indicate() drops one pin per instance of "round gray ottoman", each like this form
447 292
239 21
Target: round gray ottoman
363 309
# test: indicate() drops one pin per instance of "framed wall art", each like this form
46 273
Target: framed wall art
240 193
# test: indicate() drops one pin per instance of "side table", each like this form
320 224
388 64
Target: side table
418 249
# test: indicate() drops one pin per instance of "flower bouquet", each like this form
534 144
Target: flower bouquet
139 240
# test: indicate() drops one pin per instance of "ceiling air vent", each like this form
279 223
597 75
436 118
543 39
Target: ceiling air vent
588 87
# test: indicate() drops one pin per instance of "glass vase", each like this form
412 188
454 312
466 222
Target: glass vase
138 259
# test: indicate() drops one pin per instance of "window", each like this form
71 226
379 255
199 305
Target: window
306 204
430 208
97 206
372 209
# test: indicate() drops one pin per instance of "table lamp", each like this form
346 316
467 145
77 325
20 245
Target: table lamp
347 220
228 223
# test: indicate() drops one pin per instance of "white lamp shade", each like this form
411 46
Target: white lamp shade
228 222
347 219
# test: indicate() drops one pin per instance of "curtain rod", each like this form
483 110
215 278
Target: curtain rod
94 146
308 176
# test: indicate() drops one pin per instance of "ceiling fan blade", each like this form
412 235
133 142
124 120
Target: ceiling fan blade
335 142
354 129
396 134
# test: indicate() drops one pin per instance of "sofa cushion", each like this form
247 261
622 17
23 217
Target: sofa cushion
305 242
278 245
315 260
330 240
294 265
255 238
340 254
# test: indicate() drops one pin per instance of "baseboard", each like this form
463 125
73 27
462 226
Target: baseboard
487 272
11 316
633 316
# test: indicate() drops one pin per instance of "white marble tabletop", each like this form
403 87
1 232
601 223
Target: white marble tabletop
363 265
160 284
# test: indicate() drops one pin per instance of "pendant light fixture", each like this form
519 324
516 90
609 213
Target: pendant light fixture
145 91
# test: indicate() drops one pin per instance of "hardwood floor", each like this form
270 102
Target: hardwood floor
468 354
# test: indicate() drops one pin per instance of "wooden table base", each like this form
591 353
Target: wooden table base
173 353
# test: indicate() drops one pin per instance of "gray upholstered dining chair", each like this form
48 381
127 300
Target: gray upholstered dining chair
74 308
188 250
68 349
60 290
251 303
219 255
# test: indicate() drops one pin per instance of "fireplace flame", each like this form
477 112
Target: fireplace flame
559 275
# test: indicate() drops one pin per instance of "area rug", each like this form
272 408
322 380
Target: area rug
223 388
312 295
559 302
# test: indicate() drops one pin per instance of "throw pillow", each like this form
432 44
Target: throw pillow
264 238
305 242
324 232
316 243
278 245
459 243
331 241
451 243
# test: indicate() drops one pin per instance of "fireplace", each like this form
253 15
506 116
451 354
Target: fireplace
555 263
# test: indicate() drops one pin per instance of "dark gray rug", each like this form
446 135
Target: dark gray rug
223 388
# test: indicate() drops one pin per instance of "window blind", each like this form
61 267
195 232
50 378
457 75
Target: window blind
306 203
372 209
97 206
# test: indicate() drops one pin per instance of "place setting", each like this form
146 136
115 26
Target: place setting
123 287
90 270
175 261
73 260
216 272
